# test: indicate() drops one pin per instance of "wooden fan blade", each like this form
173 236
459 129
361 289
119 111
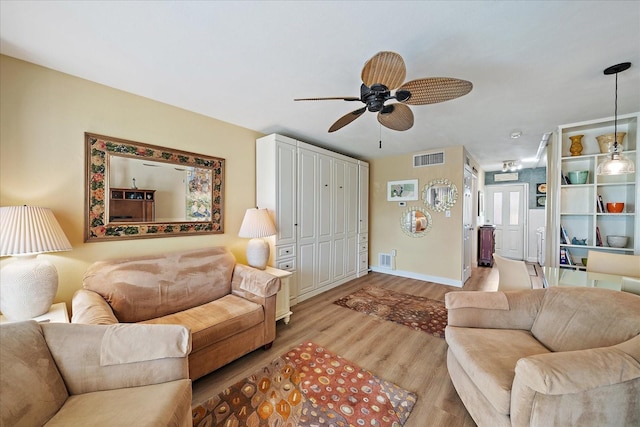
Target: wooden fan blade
435 89
343 98
396 117
346 119
386 68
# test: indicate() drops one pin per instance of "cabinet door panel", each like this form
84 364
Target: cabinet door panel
306 267
351 198
325 202
351 257
363 193
307 194
339 261
286 193
339 201
324 263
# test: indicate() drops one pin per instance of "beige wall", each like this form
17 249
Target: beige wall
438 255
43 117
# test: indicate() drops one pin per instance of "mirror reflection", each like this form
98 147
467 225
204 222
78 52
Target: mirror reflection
137 190
440 195
143 190
415 222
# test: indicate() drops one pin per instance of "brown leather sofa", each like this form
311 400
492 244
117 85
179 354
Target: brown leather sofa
546 357
60 374
229 308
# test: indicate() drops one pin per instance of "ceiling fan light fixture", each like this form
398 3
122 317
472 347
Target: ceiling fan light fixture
616 163
385 72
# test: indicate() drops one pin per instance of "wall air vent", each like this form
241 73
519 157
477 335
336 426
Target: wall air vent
384 260
428 159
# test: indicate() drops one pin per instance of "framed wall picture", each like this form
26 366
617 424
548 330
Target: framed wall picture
541 194
402 190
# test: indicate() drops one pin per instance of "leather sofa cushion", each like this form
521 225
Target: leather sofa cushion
489 356
144 406
148 287
217 320
31 387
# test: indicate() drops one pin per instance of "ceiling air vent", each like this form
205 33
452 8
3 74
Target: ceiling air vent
428 159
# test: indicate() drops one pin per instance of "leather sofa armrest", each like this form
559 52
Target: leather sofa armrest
90 308
78 350
576 371
494 310
257 282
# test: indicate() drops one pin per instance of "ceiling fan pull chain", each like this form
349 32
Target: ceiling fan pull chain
381 136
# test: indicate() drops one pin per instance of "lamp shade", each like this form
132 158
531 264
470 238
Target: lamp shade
29 285
30 230
257 223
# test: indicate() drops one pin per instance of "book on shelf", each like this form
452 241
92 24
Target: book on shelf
564 237
601 204
565 257
598 237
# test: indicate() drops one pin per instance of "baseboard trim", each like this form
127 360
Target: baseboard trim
425 277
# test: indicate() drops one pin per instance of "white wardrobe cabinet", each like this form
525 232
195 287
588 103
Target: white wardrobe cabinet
320 209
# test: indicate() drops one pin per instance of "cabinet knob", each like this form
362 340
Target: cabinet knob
326 185
286 252
286 266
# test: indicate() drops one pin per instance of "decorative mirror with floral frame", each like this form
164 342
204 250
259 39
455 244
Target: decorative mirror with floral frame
440 195
415 221
136 190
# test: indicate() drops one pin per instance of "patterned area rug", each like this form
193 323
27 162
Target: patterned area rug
308 386
419 313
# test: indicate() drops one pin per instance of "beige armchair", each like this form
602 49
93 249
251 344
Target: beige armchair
60 374
546 357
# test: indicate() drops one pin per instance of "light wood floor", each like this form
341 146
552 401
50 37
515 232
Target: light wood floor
411 359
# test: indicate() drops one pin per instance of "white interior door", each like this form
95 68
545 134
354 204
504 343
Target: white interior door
467 219
506 209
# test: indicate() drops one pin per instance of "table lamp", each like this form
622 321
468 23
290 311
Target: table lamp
257 224
28 284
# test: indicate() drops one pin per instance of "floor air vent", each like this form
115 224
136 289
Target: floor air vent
384 260
428 159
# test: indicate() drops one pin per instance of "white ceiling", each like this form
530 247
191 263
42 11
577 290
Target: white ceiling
534 64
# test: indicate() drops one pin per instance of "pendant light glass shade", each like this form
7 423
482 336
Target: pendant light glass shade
616 163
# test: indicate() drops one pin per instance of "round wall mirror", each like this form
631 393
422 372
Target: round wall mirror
440 194
415 222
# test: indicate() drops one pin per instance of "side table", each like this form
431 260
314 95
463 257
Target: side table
57 314
283 310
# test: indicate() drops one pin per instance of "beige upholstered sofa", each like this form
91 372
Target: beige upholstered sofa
60 374
229 308
546 357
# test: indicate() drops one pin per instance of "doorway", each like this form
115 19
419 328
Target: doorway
506 209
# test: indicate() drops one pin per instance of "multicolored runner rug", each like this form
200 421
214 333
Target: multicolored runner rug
308 386
419 313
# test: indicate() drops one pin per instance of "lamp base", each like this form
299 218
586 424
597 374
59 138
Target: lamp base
27 288
258 253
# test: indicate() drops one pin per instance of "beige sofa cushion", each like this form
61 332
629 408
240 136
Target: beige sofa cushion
217 320
571 319
31 388
148 287
489 357
156 405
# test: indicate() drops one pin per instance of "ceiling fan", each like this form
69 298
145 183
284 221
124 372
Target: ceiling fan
386 71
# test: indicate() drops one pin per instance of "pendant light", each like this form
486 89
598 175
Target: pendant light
616 163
